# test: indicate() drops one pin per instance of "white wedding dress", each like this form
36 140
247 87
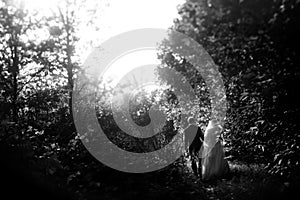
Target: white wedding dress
213 163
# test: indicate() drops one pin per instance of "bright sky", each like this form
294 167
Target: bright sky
126 15
121 16
117 70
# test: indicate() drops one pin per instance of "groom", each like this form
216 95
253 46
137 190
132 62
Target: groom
195 144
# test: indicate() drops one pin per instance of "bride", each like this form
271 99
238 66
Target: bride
213 163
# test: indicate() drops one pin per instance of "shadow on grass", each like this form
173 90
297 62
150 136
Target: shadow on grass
247 182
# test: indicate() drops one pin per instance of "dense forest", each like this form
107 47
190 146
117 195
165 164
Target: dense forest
252 42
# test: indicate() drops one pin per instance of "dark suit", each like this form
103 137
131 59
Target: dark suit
194 146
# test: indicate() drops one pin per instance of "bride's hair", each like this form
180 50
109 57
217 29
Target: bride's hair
214 122
191 120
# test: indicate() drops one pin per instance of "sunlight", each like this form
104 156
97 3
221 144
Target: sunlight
122 16
126 63
117 17
126 15
197 105
44 7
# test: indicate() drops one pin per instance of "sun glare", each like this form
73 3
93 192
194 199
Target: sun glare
118 17
40 5
126 63
126 15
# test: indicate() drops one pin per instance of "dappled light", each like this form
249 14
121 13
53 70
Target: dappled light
172 99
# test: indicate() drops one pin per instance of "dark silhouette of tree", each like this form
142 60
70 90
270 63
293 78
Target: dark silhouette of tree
253 43
19 52
64 30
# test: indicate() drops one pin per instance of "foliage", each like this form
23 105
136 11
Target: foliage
23 58
254 44
259 66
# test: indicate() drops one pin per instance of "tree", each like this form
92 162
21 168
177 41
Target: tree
258 63
22 58
67 20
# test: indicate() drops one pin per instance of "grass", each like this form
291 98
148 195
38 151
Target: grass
247 182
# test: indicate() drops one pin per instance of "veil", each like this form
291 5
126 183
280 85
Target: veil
213 162
211 136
